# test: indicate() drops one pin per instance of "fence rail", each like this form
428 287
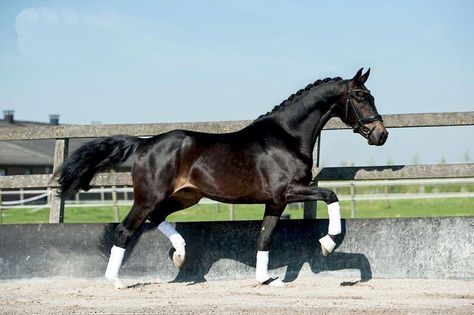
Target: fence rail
321 173
125 190
63 133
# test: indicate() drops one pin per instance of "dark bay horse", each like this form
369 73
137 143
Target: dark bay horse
267 162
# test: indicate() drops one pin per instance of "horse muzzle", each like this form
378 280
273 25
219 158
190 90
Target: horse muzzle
378 136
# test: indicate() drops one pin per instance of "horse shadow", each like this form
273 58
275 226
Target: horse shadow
294 244
221 244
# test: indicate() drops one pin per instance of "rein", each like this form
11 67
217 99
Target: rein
361 121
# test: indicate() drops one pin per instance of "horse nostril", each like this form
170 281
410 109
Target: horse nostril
383 138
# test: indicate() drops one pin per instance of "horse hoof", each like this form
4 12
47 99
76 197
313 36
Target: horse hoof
324 251
118 284
273 282
327 245
179 256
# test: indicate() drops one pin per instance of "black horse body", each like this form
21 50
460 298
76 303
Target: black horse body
268 162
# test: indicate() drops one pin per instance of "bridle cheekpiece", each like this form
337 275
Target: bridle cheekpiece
361 121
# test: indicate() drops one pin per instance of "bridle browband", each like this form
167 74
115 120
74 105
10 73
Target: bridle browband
361 121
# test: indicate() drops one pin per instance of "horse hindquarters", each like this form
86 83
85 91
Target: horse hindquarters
153 172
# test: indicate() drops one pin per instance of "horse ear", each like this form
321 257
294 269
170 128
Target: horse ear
364 77
356 78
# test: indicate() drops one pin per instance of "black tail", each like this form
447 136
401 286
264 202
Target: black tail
95 156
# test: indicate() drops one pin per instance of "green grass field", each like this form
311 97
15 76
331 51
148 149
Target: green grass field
220 212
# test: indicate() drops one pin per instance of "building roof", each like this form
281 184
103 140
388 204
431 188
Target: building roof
35 152
9 120
32 152
21 123
26 152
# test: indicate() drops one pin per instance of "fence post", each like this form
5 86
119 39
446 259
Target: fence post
1 208
125 193
310 207
353 201
115 205
48 197
387 201
22 197
231 212
102 194
56 212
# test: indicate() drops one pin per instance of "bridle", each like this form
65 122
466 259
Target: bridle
361 121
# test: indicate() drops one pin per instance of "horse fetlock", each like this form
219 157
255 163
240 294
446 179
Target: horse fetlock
114 279
261 268
177 241
115 262
327 245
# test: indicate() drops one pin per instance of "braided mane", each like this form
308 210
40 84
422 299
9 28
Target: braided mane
300 92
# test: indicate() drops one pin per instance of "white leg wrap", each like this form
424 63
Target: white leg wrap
113 267
176 239
334 212
262 271
327 245
262 266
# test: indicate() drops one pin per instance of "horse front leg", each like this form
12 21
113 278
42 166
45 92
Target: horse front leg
270 220
123 234
304 193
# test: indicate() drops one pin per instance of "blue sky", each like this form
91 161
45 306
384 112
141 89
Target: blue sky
164 61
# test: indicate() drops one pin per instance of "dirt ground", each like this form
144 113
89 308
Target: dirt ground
306 295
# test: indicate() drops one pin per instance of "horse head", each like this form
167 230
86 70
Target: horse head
356 108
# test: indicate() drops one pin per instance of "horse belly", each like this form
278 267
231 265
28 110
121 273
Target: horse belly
233 179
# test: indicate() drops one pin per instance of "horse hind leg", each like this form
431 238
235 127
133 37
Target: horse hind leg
123 234
170 205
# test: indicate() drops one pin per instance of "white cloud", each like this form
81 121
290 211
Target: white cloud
26 22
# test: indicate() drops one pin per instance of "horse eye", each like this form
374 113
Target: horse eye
360 94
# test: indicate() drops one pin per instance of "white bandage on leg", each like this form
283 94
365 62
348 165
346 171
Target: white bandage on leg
262 266
262 271
334 212
176 239
113 267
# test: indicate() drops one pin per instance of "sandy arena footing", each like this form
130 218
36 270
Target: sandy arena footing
305 295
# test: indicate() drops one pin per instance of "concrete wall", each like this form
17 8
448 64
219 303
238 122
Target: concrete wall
379 248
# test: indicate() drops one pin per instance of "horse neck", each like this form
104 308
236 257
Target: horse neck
307 115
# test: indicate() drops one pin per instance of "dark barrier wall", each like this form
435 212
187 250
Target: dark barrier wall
380 248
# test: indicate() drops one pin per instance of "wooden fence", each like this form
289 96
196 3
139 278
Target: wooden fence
63 133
